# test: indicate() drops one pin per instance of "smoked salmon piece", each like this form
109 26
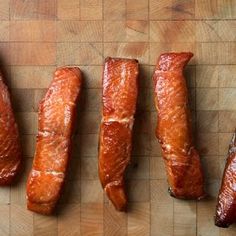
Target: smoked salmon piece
226 208
57 112
119 98
173 130
10 150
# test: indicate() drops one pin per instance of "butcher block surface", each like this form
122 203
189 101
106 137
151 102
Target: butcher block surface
37 36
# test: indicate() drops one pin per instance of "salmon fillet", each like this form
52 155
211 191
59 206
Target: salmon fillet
57 112
119 104
10 150
225 209
173 131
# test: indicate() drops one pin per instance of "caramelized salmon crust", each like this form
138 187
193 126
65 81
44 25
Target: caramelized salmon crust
119 104
57 112
10 150
225 209
174 131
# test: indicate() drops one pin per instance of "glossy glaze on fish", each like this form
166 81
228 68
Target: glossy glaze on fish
174 131
226 204
57 112
10 150
119 104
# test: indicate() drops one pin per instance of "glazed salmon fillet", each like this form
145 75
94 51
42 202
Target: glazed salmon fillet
226 209
10 150
174 131
119 98
57 112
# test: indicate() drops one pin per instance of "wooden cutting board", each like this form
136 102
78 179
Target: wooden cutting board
36 36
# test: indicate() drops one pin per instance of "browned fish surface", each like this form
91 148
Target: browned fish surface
56 118
119 104
10 150
173 131
225 209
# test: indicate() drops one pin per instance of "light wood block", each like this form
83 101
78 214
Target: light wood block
37 36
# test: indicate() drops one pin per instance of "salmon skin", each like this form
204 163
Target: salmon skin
225 209
173 130
57 112
119 98
10 149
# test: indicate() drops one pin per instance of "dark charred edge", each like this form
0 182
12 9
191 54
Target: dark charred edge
232 146
99 141
123 209
98 155
220 223
120 59
5 75
184 197
171 192
232 150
